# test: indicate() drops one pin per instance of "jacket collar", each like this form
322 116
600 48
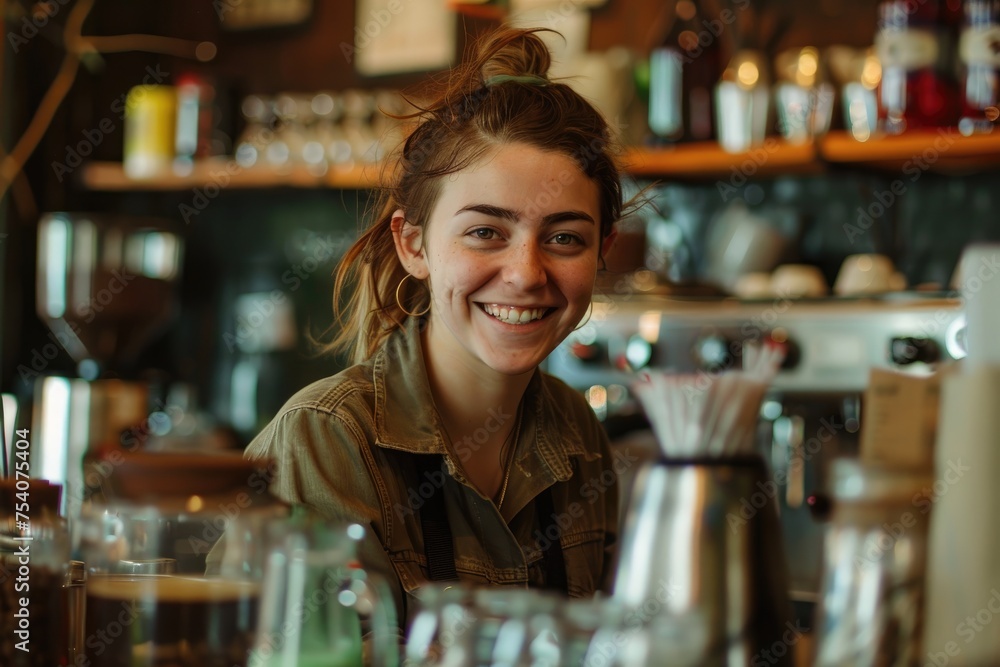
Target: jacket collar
405 419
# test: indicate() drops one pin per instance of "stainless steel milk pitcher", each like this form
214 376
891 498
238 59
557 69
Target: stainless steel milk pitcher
702 550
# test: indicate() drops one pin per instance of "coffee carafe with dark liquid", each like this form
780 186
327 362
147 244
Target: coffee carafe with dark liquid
173 548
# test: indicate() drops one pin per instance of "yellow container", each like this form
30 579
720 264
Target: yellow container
150 126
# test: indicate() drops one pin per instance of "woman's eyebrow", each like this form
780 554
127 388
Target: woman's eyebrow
490 210
563 216
513 216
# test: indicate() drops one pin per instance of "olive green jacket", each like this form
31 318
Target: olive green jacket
346 446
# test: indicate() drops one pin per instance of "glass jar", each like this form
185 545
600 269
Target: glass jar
35 621
915 43
875 559
980 58
174 563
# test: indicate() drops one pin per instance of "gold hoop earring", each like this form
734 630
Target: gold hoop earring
400 303
590 312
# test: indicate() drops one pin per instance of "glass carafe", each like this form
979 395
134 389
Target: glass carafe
318 606
876 550
173 566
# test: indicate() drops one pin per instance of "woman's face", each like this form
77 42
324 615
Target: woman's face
510 252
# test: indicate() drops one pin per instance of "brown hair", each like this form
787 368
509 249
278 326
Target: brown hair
480 108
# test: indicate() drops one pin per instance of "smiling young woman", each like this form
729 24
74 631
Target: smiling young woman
445 440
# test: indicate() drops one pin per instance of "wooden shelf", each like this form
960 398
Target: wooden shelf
479 10
944 151
226 174
698 161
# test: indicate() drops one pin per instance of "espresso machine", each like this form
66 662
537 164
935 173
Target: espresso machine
813 411
105 286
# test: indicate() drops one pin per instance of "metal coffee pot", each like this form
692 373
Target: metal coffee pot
702 551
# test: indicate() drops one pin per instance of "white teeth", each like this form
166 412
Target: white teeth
513 315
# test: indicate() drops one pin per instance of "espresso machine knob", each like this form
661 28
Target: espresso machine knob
905 350
638 352
712 352
588 353
793 355
585 347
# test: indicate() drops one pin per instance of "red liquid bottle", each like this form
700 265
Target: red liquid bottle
915 44
979 53
683 71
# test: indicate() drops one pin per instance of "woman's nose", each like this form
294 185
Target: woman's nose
524 268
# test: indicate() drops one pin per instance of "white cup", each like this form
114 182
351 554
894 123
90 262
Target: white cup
798 280
753 285
867 274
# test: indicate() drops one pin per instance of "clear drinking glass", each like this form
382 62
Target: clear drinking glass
443 617
318 607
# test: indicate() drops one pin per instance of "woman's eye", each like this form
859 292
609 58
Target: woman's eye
566 239
484 234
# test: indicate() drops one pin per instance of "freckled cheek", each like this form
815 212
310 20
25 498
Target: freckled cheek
456 283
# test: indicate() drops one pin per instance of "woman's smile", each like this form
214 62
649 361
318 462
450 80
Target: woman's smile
515 314
510 254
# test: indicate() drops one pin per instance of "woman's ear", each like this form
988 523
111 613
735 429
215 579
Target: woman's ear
409 241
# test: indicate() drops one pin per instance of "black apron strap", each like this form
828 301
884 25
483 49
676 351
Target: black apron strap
555 564
439 548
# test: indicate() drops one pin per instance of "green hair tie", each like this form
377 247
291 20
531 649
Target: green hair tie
527 79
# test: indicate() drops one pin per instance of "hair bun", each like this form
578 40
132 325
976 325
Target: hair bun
512 52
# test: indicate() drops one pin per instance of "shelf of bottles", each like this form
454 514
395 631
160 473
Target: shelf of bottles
926 95
225 173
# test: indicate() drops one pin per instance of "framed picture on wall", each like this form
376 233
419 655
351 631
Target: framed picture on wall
395 36
262 14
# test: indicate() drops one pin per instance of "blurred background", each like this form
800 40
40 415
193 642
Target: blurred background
219 156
